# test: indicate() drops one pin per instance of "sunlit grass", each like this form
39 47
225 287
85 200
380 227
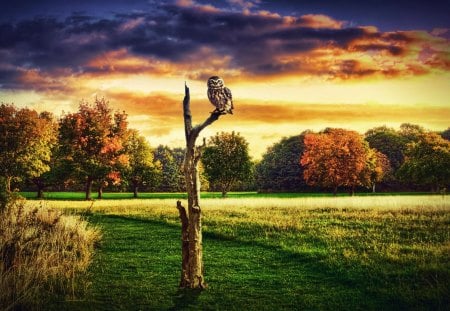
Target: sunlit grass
395 248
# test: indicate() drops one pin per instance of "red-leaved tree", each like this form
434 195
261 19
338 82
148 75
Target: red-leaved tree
92 140
337 158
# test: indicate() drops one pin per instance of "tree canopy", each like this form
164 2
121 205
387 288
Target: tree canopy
92 142
226 161
142 169
427 161
26 140
279 169
337 158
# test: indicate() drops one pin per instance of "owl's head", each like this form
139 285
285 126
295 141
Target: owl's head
215 82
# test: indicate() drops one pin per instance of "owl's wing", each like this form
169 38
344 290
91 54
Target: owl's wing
228 95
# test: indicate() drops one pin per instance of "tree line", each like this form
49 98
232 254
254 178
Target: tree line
94 148
407 159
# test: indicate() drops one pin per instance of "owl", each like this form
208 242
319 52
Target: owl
220 96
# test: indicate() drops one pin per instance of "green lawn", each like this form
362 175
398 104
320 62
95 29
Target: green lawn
80 196
263 256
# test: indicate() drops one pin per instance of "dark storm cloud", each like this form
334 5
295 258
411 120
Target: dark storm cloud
254 42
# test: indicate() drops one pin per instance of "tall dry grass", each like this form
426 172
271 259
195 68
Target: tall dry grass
42 251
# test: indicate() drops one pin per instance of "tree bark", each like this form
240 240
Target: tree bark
40 187
100 191
192 248
8 183
135 191
88 189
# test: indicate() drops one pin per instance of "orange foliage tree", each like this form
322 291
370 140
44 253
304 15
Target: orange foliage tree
91 141
338 158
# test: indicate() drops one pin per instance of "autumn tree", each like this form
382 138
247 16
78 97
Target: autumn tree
141 170
279 168
377 168
226 161
335 158
26 141
427 161
91 140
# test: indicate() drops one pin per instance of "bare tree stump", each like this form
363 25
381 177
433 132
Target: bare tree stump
191 226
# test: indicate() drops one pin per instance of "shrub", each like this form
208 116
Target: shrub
42 251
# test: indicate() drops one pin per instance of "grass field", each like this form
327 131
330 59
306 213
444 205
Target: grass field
376 253
80 196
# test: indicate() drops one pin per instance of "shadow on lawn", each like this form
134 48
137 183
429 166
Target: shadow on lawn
264 275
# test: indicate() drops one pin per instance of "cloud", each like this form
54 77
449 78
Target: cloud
174 39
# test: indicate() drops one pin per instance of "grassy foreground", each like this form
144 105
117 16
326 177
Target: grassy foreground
390 253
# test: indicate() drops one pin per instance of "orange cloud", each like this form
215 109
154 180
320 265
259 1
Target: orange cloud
319 21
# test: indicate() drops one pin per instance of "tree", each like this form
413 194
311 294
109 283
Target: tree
26 141
279 169
427 161
226 161
446 134
389 142
335 158
91 141
377 167
142 168
192 249
172 176
411 132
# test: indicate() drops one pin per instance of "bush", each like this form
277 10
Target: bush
42 251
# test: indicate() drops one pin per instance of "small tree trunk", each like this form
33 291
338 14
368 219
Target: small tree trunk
373 188
40 193
8 184
88 189
100 191
135 189
40 187
335 191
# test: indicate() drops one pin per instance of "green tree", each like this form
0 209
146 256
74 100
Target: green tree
411 132
446 134
91 141
389 142
142 169
171 161
427 162
226 161
279 169
26 141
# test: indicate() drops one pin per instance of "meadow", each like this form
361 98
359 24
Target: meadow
271 253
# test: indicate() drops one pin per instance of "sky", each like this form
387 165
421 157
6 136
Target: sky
291 65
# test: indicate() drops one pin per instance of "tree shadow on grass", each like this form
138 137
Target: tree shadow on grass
255 274
186 298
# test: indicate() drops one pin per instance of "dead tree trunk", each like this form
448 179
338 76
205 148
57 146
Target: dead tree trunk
192 253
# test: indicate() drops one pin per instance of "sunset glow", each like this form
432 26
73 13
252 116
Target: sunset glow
289 69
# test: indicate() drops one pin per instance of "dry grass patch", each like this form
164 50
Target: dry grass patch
42 251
